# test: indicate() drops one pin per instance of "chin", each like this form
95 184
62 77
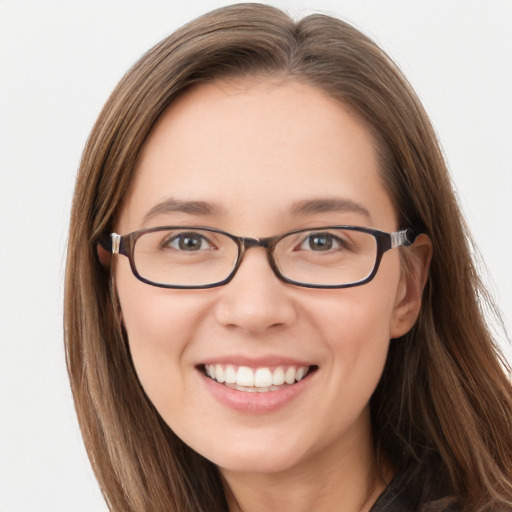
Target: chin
256 454
262 463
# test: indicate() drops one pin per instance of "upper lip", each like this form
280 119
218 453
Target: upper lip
256 362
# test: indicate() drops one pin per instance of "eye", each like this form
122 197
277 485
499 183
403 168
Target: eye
189 242
321 242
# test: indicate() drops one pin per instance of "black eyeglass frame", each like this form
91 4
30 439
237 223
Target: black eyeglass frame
125 245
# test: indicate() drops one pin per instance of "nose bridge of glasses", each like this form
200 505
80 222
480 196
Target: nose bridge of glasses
266 243
248 242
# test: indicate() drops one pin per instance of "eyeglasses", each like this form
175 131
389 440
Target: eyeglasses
200 257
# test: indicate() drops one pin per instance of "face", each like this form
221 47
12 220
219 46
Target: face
252 152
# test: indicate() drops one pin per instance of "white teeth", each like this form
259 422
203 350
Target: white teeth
230 374
278 376
242 388
245 376
263 378
299 374
289 376
260 379
219 373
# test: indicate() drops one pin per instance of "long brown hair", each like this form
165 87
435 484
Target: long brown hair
442 412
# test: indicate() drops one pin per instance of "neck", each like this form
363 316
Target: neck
339 478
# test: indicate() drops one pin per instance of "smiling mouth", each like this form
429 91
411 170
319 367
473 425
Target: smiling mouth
259 380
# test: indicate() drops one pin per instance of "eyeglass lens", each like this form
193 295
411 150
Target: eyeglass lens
195 257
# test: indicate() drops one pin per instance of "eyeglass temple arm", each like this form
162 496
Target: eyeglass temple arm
108 244
405 238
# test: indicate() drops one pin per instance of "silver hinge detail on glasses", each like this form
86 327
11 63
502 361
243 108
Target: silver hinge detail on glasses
399 238
116 241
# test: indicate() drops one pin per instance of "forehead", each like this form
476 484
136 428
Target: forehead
247 146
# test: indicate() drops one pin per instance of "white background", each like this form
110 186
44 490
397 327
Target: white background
58 63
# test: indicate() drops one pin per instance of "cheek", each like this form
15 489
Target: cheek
159 324
355 318
363 346
356 326
358 342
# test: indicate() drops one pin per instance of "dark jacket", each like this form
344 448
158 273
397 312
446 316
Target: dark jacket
401 497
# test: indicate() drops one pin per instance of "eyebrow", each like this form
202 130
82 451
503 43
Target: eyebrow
314 206
177 206
300 208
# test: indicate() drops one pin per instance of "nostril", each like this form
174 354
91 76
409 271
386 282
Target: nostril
255 300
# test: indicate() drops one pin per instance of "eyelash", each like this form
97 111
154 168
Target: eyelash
335 240
182 236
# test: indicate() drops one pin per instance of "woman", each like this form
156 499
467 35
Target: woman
270 298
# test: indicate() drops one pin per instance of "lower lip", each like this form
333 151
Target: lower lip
255 402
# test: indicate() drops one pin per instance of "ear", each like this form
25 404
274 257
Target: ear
104 256
412 283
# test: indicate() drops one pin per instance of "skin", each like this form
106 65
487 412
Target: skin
255 149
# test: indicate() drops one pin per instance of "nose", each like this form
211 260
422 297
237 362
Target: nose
256 300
